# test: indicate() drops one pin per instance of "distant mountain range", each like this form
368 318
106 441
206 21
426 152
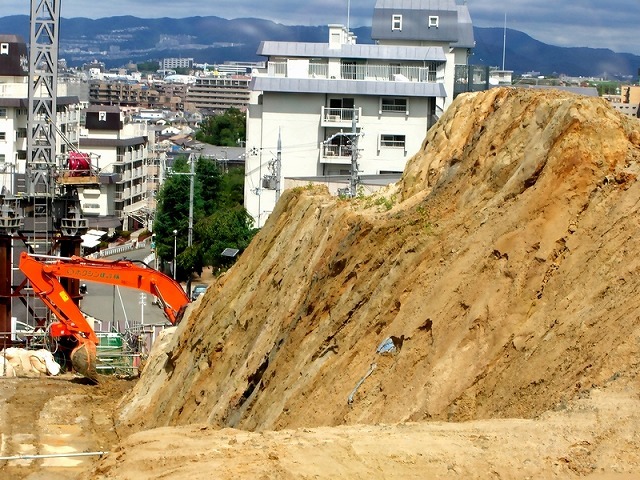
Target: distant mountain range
118 40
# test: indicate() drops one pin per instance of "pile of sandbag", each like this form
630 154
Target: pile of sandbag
20 362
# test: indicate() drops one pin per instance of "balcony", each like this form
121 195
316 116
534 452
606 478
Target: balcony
124 158
336 154
339 117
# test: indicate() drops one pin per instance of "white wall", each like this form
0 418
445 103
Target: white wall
297 117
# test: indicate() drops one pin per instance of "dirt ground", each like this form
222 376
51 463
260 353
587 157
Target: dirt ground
57 416
594 437
53 416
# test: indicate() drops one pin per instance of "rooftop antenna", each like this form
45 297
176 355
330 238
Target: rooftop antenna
348 15
504 40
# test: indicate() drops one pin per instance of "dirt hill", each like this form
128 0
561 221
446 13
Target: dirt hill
497 280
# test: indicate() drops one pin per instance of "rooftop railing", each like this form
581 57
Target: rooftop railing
382 73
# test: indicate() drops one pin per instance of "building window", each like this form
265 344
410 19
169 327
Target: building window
434 21
3 136
22 154
21 133
396 22
2 158
393 105
3 113
392 141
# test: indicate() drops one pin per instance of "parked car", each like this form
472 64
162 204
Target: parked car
197 291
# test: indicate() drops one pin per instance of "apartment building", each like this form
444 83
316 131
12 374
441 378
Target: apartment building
217 94
300 120
126 94
14 109
174 62
120 151
628 102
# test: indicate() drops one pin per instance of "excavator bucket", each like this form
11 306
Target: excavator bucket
84 358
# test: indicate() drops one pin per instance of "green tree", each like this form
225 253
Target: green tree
210 178
226 129
225 228
232 187
220 220
148 67
172 212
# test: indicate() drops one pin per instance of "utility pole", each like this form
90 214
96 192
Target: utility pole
192 161
354 180
175 251
504 41
192 175
143 302
278 167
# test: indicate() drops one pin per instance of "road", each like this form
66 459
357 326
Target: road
119 305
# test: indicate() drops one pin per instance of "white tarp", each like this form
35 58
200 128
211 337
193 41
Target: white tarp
92 238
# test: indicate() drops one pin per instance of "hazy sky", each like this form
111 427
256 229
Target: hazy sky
611 24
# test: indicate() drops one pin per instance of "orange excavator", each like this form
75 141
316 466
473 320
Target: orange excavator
44 271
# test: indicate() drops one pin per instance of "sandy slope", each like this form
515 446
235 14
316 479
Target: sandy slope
503 265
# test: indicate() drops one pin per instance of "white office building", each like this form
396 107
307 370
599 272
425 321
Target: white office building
301 110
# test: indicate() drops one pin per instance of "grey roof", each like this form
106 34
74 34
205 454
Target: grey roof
103 108
466 38
112 142
454 22
348 87
371 52
8 38
103 221
230 153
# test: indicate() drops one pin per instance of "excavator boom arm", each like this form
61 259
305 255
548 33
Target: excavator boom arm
123 273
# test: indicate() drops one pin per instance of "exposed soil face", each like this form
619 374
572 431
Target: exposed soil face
502 263
478 319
